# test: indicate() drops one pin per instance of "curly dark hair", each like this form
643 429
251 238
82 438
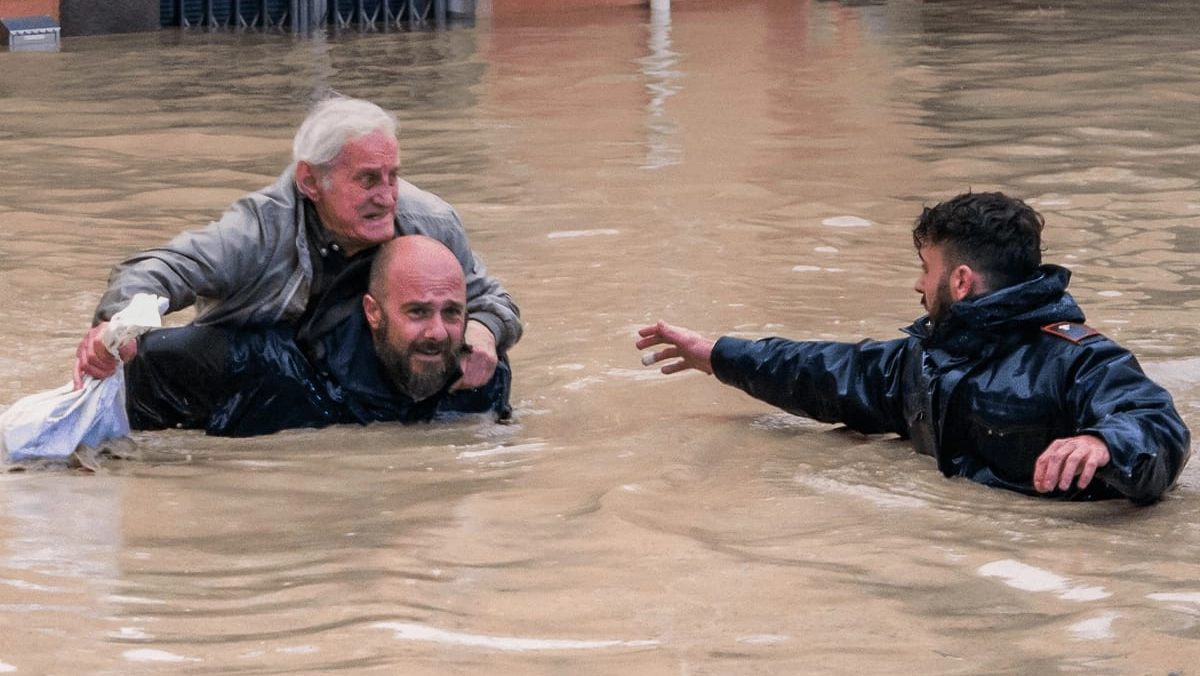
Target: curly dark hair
997 235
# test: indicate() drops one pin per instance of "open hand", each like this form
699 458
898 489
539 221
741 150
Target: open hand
692 350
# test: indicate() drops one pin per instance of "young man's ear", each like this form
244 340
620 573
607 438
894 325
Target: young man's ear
308 181
965 282
372 310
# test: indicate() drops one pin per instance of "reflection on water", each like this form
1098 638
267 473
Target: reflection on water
63 528
750 168
660 73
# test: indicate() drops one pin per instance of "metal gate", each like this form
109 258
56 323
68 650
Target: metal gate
302 16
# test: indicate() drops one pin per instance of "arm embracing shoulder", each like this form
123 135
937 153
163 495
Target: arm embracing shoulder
1148 442
489 303
857 384
420 212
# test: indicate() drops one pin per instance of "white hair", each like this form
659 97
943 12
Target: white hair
334 122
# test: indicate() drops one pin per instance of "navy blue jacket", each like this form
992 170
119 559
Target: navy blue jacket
242 382
1006 374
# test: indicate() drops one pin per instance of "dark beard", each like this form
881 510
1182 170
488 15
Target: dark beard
941 305
418 385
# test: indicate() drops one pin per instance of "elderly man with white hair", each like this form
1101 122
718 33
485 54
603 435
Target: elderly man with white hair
296 254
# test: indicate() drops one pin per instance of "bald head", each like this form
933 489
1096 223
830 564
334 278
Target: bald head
416 306
414 260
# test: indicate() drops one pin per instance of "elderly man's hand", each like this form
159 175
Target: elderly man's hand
1065 459
92 358
479 364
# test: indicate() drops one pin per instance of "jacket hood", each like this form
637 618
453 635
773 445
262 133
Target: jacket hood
1032 304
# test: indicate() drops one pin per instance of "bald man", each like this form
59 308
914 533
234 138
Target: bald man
393 359
416 306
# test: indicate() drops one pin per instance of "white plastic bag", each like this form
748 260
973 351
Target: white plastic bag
53 424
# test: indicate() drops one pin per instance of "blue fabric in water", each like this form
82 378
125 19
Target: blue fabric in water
53 424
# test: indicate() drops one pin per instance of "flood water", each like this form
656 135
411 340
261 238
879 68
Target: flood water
748 167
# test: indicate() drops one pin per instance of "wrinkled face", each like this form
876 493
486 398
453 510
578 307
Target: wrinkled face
355 195
934 283
419 331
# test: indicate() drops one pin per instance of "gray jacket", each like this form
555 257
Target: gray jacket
252 267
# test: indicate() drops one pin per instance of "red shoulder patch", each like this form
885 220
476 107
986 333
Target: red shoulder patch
1071 331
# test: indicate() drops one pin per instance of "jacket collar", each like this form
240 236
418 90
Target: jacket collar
980 319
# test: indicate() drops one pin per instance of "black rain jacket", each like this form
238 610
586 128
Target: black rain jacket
1006 374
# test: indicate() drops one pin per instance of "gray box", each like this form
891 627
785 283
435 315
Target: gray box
30 33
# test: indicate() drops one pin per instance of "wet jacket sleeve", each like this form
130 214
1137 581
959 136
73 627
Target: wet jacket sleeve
231 260
859 385
1148 443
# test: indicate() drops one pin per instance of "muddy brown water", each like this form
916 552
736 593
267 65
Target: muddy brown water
751 170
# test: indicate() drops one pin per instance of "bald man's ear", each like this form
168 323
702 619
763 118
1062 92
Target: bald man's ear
372 310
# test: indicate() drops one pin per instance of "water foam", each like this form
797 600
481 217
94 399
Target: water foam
418 632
